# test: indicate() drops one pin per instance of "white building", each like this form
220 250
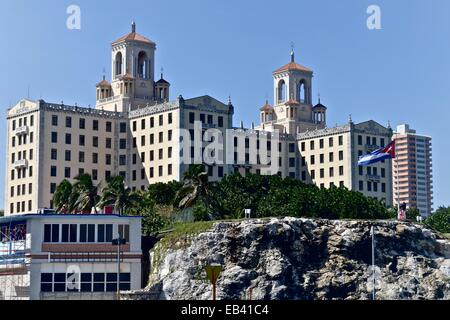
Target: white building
60 257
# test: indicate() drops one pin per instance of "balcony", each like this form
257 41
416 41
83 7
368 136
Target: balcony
19 164
22 131
372 177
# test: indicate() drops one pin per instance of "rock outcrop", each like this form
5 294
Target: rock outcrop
302 259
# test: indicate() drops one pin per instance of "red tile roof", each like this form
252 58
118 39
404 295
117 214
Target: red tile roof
267 107
103 83
292 66
134 36
292 102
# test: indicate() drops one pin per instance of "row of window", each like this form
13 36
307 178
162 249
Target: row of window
372 171
83 233
312 143
372 186
21 190
23 122
152 139
22 139
22 155
84 282
22 173
322 158
371 141
206 119
152 122
20 207
331 173
95 124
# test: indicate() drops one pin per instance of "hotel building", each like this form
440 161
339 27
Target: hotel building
413 173
135 131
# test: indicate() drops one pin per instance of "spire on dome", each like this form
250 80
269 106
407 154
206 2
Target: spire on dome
292 52
133 27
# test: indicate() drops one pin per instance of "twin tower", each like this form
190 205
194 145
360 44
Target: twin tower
133 83
134 86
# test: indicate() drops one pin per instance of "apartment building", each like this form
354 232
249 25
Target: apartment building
60 257
413 172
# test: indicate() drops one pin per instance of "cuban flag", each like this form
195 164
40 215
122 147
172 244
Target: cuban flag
378 155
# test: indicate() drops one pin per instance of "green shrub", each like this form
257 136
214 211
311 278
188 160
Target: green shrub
440 220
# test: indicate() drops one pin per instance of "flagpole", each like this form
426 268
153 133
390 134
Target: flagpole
373 263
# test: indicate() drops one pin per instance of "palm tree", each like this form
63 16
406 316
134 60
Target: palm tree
61 198
116 194
195 188
84 195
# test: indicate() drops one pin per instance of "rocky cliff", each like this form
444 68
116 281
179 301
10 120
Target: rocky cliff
305 259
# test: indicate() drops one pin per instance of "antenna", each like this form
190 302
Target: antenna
28 92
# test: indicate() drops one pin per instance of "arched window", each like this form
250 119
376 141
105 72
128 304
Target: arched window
302 92
281 91
119 59
142 65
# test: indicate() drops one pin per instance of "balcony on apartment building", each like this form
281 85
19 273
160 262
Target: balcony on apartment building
21 131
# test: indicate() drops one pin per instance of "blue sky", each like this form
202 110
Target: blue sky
399 73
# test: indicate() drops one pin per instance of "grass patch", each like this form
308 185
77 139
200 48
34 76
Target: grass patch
181 237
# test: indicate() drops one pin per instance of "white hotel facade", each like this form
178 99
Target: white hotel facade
135 131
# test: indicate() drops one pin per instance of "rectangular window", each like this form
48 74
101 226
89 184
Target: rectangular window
341 140
123 127
82 140
123 144
68 122
47 233
95 142
55 233
54 137
108 159
311 145
54 120
53 171
91 233
95 125
191 117
134 126
81 157
68 155
68 138
83 233
67 173
321 144
108 143
101 233
95 158
143 124
94 174
152 122
108 126
161 120
124 232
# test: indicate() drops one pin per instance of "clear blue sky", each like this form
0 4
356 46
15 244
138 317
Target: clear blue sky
221 48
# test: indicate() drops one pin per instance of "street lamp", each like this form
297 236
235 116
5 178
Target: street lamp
213 272
118 242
